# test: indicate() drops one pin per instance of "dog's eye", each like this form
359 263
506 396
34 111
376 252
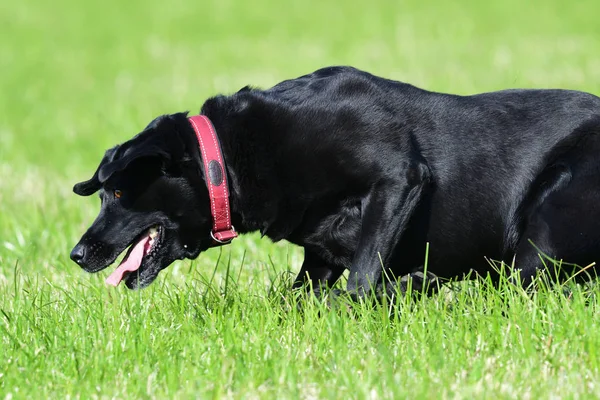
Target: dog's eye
118 193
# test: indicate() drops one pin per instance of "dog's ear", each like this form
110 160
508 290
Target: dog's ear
91 186
135 152
142 145
119 157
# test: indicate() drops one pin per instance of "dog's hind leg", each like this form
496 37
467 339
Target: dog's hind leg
533 250
562 225
559 216
535 242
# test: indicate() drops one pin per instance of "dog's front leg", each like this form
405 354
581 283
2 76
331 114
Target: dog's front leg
317 274
386 211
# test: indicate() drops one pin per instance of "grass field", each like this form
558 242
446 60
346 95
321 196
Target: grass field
78 77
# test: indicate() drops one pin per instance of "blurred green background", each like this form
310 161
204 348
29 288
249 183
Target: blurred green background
78 77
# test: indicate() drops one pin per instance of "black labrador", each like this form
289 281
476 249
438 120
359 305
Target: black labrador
363 172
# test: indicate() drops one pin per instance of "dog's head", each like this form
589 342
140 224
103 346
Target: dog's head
153 200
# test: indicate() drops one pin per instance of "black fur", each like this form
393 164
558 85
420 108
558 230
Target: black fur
363 172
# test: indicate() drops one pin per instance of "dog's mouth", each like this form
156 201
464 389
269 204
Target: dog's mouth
139 254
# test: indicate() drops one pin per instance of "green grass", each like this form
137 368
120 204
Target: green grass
78 77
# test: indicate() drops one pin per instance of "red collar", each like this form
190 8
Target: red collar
216 179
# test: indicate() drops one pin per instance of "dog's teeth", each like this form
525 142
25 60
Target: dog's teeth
153 232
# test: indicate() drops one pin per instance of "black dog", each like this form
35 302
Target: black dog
363 172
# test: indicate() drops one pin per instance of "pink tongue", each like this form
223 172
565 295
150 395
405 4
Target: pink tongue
131 263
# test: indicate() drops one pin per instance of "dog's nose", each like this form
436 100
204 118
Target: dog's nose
78 253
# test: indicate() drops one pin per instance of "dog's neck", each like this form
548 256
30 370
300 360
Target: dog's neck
255 196
215 176
247 212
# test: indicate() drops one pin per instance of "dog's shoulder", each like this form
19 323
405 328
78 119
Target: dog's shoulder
326 85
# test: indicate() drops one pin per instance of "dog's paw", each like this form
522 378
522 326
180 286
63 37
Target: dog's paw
415 283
